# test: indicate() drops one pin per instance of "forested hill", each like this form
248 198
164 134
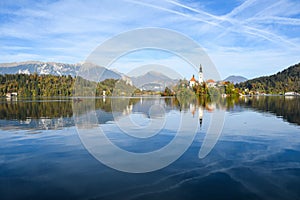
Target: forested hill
287 80
34 85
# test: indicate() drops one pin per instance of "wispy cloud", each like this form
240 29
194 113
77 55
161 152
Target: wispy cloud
67 31
240 8
276 20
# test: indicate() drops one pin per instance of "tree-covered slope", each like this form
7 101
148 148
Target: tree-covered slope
34 85
284 81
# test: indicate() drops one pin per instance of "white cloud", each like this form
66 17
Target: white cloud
67 31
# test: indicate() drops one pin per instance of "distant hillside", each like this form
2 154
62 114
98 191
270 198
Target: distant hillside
235 79
53 68
152 79
284 81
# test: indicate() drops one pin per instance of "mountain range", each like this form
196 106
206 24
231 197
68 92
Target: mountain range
54 68
153 79
148 80
286 80
40 68
235 79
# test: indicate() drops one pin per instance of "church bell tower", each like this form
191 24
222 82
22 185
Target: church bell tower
200 75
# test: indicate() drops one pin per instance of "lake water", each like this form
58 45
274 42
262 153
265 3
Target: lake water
256 155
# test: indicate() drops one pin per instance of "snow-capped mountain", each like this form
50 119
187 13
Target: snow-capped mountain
150 79
53 68
40 68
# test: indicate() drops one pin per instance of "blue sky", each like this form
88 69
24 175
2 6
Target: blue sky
242 37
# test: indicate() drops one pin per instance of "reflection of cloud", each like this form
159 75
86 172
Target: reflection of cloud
258 164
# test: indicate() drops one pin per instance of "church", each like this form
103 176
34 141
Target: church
193 81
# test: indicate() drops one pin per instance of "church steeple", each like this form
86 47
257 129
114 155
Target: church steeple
200 75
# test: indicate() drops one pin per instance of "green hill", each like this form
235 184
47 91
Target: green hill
284 81
34 85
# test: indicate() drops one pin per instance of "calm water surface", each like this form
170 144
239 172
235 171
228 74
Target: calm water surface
256 157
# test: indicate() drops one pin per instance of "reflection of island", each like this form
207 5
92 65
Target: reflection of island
200 113
194 108
287 108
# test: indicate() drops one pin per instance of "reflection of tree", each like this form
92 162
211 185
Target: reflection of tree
122 104
105 104
183 103
287 108
47 108
22 110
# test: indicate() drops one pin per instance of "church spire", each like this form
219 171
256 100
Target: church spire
200 74
200 68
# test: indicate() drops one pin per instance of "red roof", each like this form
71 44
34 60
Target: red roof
210 81
193 79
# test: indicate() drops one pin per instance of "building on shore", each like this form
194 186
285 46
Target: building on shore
291 94
11 94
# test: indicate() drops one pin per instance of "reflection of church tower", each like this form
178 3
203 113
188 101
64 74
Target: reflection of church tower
200 75
192 109
200 111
